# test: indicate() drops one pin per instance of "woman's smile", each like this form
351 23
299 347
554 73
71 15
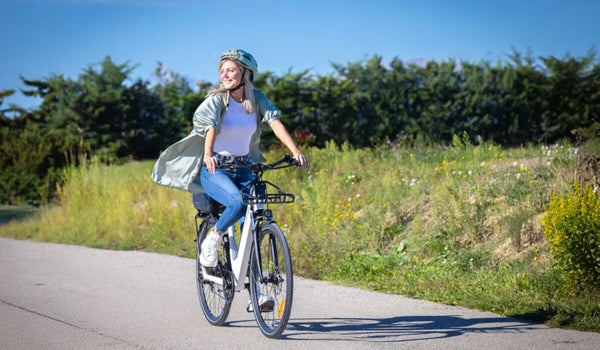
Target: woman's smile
230 74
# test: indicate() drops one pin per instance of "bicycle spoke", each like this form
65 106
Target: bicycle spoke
272 281
214 298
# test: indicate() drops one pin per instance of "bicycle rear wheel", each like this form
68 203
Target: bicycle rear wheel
272 281
215 298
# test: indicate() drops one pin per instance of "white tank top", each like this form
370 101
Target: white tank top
237 128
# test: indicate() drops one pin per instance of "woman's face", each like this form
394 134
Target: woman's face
230 74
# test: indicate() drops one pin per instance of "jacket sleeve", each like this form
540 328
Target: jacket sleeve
266 109
208 114
179 164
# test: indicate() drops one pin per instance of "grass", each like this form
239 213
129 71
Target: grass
459 225
115 207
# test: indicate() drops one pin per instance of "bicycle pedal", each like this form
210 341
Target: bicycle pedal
266 308
212 271
262 309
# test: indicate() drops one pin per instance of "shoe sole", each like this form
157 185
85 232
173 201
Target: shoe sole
206 263
267 306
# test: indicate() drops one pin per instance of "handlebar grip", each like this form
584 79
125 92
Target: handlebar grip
289 159
285 159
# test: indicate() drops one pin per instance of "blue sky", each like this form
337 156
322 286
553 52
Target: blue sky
39 38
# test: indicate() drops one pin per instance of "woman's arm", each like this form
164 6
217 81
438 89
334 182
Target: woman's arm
287 140
210 161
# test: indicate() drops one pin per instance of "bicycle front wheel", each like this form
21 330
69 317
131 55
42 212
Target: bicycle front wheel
272 281
215 298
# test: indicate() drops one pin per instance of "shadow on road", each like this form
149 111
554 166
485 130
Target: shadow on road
399 329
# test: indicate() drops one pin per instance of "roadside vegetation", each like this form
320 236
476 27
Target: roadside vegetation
479 226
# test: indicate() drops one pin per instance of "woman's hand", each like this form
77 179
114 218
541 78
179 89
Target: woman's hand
301 159
211 163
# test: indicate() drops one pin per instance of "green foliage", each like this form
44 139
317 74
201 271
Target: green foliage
3 94
572 227
31 159
171 118
371 102
105 113
99 114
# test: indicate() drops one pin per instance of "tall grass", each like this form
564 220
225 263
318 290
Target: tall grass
116 207
458 224
426 200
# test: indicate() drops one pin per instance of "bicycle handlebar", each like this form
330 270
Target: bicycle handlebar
275 165
261 167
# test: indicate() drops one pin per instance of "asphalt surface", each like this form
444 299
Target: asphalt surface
56 296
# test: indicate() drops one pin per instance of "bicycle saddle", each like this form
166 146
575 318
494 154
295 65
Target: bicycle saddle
206 205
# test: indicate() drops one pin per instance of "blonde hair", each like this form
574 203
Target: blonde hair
248 101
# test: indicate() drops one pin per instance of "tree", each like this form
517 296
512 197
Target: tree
98 110
571 95
176 102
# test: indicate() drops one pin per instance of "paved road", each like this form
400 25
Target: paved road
67 297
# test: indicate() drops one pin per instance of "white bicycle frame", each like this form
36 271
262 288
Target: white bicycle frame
240 255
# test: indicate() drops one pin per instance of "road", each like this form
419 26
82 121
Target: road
56 296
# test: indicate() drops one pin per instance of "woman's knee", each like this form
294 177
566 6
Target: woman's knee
236 205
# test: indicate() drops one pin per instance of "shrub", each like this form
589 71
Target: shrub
572 228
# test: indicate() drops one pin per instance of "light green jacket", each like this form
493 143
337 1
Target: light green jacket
179 165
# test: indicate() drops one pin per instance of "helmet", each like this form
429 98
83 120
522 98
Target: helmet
241 56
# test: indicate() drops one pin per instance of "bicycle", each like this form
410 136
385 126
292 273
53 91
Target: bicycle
260 262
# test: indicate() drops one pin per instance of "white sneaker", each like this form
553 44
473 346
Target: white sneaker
266 304
208 250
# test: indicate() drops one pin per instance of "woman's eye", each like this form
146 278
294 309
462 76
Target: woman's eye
229 70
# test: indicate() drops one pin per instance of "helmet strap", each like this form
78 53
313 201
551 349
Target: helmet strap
242 82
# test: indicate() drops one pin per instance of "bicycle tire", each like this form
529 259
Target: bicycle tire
272 277
215 299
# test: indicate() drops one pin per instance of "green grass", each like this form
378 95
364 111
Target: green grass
114 207
459 225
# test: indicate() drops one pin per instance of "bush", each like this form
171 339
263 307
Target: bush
572 228
30 161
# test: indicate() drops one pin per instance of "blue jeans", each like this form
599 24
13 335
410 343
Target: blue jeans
224 187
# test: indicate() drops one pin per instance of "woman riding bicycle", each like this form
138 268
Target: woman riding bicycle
227 129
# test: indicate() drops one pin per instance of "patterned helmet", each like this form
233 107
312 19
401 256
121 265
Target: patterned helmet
241 56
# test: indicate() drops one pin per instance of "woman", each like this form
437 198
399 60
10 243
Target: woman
227 128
